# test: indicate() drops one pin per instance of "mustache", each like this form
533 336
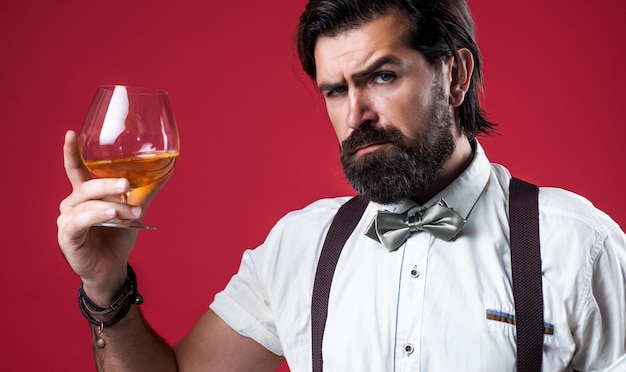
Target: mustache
368 135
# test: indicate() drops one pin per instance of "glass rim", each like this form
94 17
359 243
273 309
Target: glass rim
134 89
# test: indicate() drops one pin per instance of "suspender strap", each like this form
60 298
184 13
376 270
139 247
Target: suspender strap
526 273
525 263
345 221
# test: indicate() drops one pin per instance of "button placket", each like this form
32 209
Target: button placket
411 302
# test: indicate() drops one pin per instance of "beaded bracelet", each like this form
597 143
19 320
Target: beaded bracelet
130 296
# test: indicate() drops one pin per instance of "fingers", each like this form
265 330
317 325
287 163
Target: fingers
76 171
95 201
98 189
74 223
85 215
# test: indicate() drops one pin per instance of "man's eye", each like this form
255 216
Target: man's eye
383 77
336 91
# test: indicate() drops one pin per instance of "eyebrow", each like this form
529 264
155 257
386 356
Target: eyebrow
386 60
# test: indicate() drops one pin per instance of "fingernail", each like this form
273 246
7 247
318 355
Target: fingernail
136 211
110 212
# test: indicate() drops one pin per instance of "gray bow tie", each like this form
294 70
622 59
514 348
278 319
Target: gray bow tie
393 229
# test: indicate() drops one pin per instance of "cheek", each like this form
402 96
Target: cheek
403 112
342 131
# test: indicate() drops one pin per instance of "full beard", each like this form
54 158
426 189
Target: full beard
405 167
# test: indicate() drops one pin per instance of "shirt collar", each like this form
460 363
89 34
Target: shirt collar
460 195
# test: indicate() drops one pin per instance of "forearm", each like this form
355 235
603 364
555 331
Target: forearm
131 345
122 339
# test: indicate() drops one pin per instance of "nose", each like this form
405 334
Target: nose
360 109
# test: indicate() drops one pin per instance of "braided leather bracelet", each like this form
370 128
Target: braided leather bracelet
129 296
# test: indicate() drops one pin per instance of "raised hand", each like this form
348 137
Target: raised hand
98 254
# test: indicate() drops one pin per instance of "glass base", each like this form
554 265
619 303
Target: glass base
126 224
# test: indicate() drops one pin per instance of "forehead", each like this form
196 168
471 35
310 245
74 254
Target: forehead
355 48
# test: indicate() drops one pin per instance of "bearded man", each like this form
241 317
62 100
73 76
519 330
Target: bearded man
400 79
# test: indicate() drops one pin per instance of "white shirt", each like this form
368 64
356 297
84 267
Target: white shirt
424 306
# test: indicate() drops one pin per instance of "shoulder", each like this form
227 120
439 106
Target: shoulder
563 205
319 212
575 233
557 204
305 226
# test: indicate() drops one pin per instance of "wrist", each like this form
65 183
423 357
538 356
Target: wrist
104 293
113 311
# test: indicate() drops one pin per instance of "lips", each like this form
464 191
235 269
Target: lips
369 147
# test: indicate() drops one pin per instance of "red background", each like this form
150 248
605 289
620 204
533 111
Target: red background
256 142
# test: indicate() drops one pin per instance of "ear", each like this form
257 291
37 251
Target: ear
460 75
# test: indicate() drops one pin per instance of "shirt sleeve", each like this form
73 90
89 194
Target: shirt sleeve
244 304
601 337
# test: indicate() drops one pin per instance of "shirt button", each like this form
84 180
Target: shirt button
415 272
408 349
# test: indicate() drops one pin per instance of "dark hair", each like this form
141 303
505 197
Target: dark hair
437 28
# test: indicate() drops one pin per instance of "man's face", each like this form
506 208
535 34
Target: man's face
389 109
